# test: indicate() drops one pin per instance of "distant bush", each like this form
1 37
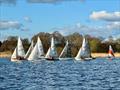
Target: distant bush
75 41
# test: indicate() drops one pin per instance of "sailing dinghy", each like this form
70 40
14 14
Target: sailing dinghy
29 50
19 52
84 52
111 53
37 52
52 53
66 53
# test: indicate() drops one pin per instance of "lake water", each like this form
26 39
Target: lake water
99 74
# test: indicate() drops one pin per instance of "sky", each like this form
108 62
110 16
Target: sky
25 18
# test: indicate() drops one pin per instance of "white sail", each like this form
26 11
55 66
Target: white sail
64 51
29 50
78 55
37 51
53 49
40 48
52 53
84 51
34 53
48 53
20 49
14 55
111 52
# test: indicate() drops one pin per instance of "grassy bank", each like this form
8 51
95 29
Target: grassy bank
104 54
8 54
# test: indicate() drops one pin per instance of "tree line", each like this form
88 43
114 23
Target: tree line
74 39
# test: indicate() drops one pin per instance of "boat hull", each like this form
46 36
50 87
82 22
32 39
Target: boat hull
65 58
84 59
41 57
14 59
52 59
37 59
18 59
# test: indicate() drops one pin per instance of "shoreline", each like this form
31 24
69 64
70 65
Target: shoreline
8 54
98 55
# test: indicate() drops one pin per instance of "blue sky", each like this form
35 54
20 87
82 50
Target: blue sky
24 18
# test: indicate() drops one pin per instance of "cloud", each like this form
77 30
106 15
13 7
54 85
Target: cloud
11 2
105 16
97 31
27 19
4 25
50 1
113 25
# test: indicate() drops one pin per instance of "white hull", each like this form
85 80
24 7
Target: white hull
14 60
38 59
85 59
41 58
65 58
18 59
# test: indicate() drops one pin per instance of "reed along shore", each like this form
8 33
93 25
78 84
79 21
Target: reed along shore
104 55
8 54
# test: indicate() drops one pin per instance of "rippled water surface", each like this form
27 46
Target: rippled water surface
60 75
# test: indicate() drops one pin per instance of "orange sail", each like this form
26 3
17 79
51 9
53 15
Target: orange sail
111 52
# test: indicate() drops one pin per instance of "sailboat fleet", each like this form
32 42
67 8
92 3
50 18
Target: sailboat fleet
37 52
